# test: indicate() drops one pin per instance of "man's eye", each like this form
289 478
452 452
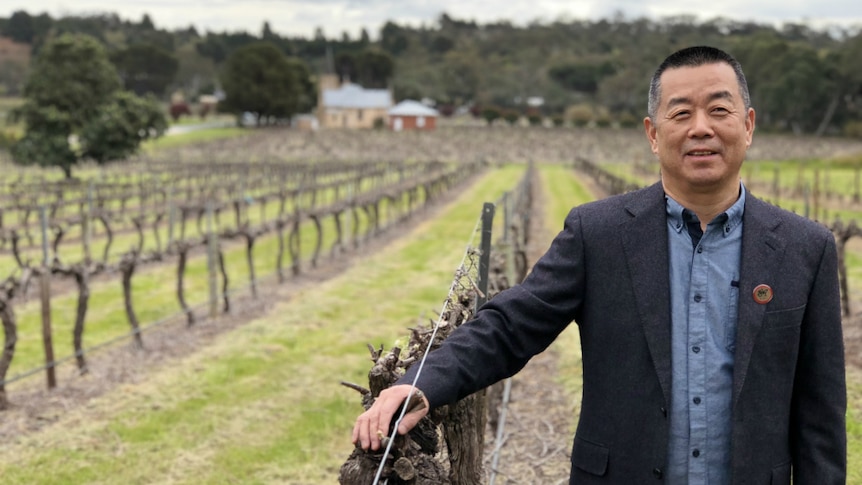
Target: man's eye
680 114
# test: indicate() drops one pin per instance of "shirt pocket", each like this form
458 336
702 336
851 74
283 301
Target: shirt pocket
731 317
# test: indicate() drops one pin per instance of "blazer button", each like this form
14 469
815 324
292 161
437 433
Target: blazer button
656 472
664 412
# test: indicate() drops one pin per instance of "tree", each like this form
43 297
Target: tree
307 94
393 38
74 91
121 126
375 69
146 68
460 76
212 47
258 78
21 28
581 76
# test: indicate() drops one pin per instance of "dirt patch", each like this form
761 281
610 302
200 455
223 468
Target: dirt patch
537 439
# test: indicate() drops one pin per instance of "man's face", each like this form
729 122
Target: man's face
701 130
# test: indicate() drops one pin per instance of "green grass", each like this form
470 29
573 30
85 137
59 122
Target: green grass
262 404
564 191
854 426
193 137
191 120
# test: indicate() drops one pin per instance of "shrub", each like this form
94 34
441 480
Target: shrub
579 114
7 139
853 129
490 114
511 116
628 120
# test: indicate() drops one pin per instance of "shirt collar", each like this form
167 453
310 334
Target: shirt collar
732 216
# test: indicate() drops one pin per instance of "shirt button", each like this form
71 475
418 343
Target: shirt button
699 249
696 400
656 472
697 298
695 453
695 349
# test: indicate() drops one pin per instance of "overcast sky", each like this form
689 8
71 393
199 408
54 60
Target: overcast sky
301 17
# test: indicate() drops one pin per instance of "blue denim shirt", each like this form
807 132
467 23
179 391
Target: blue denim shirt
704 286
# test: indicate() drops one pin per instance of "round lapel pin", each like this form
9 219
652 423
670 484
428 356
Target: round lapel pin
762 294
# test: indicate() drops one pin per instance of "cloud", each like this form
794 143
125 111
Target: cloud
301 17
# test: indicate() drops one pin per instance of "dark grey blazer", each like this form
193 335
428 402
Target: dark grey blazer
608 271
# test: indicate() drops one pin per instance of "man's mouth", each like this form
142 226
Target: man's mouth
701 153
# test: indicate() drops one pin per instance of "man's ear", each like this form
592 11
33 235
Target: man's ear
650 129
749 126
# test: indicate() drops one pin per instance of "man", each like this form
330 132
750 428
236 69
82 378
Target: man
709 320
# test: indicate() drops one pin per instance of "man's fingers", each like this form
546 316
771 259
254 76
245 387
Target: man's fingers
373 425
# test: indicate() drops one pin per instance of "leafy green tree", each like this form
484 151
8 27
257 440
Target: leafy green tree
345 67
121 126
581 76
74 93
393 38
258 78
146 68
460 76
213 47
375 69
21 28
307 93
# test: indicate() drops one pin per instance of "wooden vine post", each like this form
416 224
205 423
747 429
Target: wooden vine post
212 261
45 297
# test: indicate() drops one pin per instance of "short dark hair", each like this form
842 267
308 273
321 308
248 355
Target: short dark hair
694 57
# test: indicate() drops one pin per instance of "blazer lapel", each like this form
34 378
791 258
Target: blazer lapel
644 235
762 250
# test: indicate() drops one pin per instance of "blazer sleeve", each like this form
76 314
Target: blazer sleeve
818 438
511 328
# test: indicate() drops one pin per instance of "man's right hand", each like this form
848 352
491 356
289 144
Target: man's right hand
372 425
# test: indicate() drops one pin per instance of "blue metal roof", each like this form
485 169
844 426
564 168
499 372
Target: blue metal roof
355 96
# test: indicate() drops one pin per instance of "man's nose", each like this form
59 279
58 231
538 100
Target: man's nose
701 125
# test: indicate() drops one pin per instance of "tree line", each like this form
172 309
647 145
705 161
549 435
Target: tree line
802 79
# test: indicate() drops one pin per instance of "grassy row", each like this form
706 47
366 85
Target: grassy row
263 404
562 192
